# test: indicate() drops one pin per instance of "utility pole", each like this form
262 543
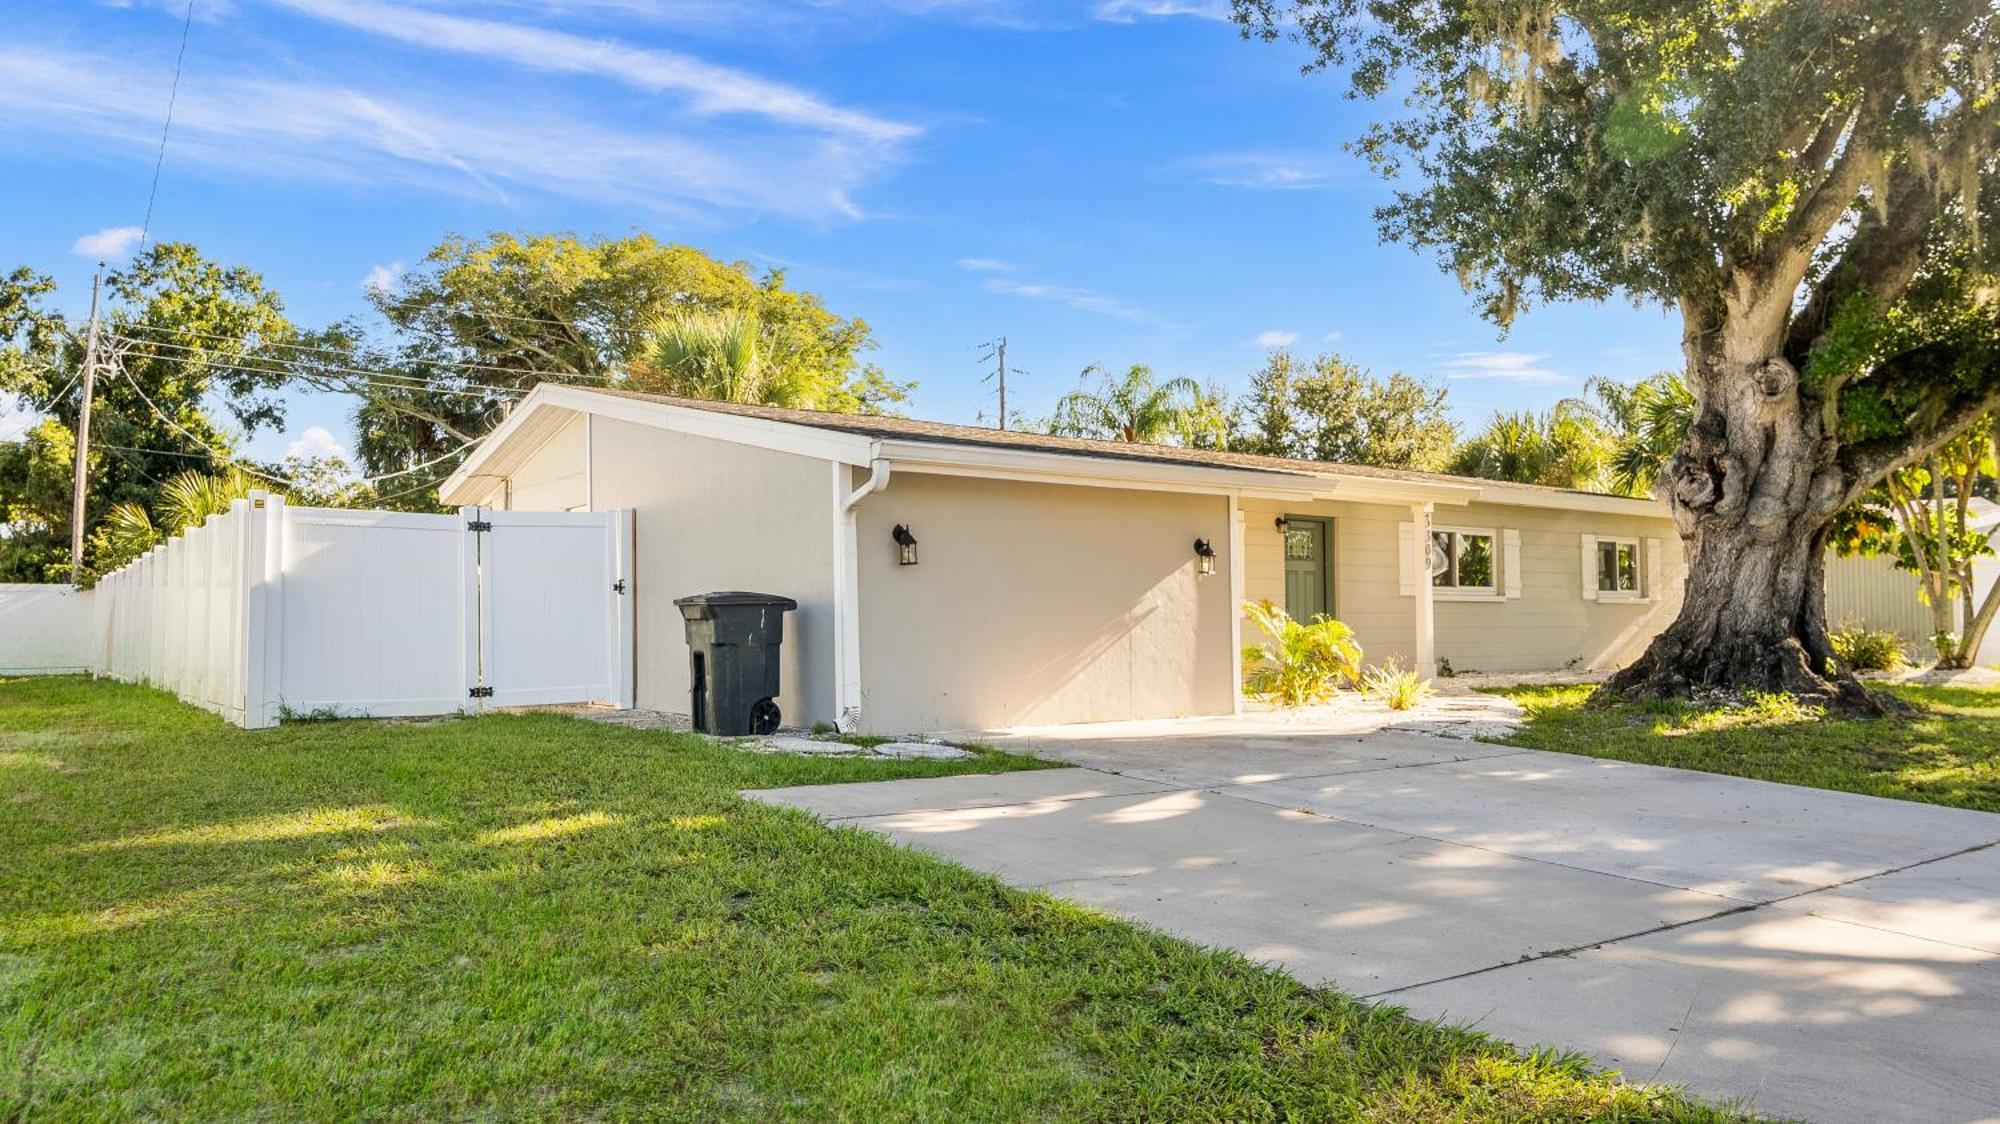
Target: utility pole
1003 381
78 487
997 351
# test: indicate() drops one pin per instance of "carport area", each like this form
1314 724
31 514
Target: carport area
1807 953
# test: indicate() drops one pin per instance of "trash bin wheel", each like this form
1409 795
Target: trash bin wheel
764 717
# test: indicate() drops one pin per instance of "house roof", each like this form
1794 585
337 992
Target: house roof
875 427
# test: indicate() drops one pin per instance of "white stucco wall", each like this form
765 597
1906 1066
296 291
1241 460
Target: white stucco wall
1548 627
45 629
708 515
1040 603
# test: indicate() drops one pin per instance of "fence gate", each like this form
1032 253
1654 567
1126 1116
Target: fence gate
272 609
554 607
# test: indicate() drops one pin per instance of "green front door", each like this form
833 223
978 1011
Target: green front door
1308 548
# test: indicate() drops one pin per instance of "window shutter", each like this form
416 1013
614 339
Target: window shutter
1590 567
1406 549
1510 561
1652 548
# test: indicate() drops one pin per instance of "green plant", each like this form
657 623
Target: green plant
1303 662
1861 648
1395 684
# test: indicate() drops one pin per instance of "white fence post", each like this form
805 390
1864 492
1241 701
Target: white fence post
263 610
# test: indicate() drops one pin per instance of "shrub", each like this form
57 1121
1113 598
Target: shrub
1398 686
1867 649
1302 663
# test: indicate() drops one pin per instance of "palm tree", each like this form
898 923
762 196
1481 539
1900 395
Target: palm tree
1133 409
1566 447
187 500
715 355
184 503
1662 409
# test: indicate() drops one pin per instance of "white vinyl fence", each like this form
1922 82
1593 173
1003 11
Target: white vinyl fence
44 629
273 610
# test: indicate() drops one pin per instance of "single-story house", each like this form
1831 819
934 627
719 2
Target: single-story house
953 578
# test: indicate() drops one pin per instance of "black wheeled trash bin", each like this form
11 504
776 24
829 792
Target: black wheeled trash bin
733 641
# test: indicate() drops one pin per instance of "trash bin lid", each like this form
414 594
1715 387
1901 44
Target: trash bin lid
737 597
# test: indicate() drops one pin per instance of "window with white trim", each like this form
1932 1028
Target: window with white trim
1618 567
1463 559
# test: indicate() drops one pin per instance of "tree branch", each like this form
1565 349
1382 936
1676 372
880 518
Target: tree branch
1879 262
1866 462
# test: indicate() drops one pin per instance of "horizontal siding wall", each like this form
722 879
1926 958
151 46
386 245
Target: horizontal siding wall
1365 587
1874 593
1549 627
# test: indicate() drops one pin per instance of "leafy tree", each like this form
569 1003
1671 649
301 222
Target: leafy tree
1804 182
179 330
1931 505
1208 422
1133 408
481 322
1562 447
1335 411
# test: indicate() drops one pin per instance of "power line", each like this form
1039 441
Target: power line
387 380
118 361
249 466
230 458
460 364
173 95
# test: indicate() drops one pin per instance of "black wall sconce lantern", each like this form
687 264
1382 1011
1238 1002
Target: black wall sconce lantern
1282 524
1204 557
906 545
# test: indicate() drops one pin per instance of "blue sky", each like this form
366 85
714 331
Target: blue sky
1114 182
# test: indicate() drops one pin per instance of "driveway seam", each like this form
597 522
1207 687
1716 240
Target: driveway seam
1489 850
1383 768
1163 790
1750 907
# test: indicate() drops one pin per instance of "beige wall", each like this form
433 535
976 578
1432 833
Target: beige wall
1040 603
1548 627
556 478
709 515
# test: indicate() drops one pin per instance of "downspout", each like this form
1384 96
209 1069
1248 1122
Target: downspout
847 587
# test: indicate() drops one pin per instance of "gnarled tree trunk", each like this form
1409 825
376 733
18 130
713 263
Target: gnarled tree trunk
1753 490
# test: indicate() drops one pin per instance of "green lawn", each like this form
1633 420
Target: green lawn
1948 753
538 917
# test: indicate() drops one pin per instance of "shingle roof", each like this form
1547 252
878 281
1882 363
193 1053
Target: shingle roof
912 429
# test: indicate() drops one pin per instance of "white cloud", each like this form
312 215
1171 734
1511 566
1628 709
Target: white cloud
382 278
1083 300
1501 366
1276 337
713 89
456 142
110 243
1332 337
1264 171
1132 11
15 418
986 265
318 442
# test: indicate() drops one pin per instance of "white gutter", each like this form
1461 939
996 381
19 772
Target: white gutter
847 586
878 479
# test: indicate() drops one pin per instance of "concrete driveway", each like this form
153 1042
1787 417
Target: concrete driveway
1806 953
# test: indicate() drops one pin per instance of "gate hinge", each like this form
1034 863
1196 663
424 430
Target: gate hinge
480 693
478 525
618 586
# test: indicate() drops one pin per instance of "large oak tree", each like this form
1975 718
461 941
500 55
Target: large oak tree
1805 181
